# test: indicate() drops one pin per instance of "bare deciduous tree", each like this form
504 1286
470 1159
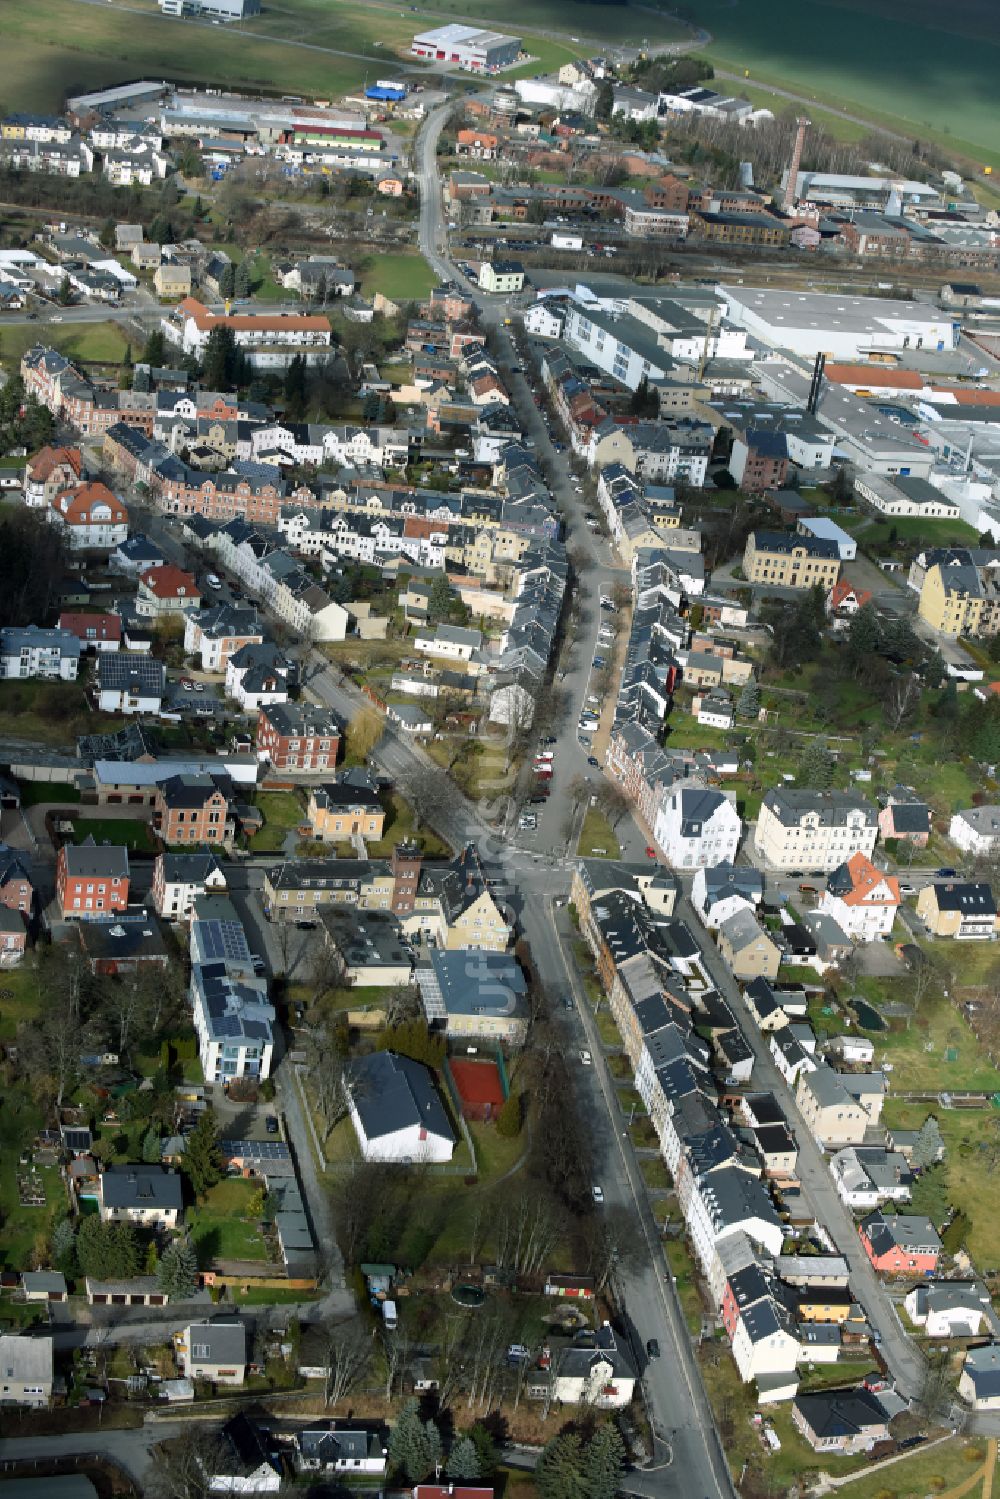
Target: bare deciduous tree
348 1351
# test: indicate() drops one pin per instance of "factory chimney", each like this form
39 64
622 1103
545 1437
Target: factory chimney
788 199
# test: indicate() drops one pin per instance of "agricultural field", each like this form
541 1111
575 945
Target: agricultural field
838 52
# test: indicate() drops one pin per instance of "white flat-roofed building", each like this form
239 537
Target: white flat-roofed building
840 326
468 47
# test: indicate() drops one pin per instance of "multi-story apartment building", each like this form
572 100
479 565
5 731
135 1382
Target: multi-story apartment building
961 598
90 880
191 809
33 652
217 634
814 830
51 470
298 736
790 561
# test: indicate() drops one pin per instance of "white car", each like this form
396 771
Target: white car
585 1058
213 580
598 1194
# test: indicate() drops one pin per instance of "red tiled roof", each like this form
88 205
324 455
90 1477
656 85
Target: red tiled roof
47 459
873 374
104 626
169 582
249 322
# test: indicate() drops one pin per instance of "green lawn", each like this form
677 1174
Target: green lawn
123 832
33 793
682 1268
283 811
400 825
939 1050
910 529
22 997
969 1179
89 343
57 47
219 1229
50 713
597 837
403 276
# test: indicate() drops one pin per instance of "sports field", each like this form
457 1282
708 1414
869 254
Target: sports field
907 63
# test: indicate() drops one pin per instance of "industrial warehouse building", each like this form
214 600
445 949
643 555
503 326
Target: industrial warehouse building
468 47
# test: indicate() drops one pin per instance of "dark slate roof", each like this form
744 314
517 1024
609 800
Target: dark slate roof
141 1186
393 1093
840 1413
969 899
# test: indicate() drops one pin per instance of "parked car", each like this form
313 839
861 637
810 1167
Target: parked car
585 1058
271 1124
652 1349
593 760
598 1194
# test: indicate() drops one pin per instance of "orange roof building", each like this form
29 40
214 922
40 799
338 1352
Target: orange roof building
192 322
861 899
166 590
91 517
873 377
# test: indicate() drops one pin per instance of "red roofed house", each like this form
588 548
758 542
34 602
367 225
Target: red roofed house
478 143
861 899
50 470
166 590
876 379
96 632
846 597
900 1243
479 1087
90 517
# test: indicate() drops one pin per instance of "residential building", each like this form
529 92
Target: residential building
216 1351
499 277
16 888
233 1019
841 1422
868 1176
172 281
785 561
268 340
759 460
475 996
905 818
191 809
961 596
298 736
966 911
25 1370
835 1117
130 683
50 471
814 830
95 632
748 949
396 1111
246 1459
89 517
900 1243
149 1196
722 889
91 881
976 830
696 827
218 634
330 1447
339 810
952 1309
179 879
33 652
979 1382
861 899
258 675
600 1377
166 590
